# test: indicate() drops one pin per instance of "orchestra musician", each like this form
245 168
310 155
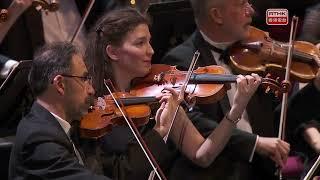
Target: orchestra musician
219 25
43 145
119 49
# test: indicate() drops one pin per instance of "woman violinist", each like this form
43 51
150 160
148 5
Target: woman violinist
119 50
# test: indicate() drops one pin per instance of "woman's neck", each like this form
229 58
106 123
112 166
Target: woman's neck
122 78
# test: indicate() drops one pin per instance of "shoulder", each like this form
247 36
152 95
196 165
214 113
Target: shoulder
35 129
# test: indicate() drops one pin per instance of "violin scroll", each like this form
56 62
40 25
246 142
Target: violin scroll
3 15
52 6
273 85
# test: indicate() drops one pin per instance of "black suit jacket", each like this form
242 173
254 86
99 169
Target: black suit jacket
42 150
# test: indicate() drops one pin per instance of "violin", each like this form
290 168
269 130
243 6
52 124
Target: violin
207 84
50 6
104 114
261 54
108 112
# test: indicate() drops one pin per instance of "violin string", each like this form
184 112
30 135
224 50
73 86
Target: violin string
132 130
190 71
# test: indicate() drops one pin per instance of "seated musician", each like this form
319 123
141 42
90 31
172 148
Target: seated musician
43 147
219 25
119 48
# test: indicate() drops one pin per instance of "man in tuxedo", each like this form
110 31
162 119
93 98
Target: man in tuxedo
219 25
43 147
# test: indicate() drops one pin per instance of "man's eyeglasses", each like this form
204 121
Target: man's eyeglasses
87 78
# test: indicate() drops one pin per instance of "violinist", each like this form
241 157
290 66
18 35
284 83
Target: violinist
119 48
44 148
219 25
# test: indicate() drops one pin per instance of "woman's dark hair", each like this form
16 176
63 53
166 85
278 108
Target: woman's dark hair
110 29
49 61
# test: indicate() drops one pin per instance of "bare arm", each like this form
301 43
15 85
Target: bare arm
16 8
187 138
312 137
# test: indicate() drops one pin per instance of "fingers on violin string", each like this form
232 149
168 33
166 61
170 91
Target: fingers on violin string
171 90
164 98
257 78
250 80
239 76
241 82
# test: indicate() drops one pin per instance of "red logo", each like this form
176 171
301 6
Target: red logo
277 16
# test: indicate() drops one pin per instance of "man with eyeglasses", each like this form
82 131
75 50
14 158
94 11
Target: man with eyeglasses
220 23
43 149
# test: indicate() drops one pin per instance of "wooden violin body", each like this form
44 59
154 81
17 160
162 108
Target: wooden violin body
104 115
260 54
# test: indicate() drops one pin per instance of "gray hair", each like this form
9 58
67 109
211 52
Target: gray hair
49 61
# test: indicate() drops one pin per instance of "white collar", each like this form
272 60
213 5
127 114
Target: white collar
220 45
63 123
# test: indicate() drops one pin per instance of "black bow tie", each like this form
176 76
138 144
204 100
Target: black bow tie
224 54
215 49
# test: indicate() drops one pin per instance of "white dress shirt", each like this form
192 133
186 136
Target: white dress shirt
66 127
244 123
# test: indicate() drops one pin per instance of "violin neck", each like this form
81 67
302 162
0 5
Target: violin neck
213 78
137 100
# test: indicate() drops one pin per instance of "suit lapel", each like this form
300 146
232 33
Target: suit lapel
206 57
44 115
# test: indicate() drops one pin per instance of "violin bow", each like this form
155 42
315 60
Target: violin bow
155 166
286 83
86 13
184 86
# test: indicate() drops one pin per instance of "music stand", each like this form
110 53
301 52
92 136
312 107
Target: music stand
13 85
